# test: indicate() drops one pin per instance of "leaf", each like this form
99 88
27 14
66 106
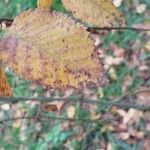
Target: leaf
49 108
4 87
71 111
55 51
94 12
44 3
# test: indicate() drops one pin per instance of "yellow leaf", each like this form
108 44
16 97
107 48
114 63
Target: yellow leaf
44 3
4 87
112 73
56 52
94 12
18 113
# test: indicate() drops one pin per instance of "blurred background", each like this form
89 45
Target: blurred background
127 61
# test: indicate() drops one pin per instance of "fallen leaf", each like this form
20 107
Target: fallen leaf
49 108
143 95
95 116
123 135
17 114
141 8
132 116
71 111
5 107
127 82
112 73
117 51
53 106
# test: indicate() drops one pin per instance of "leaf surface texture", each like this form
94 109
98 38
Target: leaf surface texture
4 86
51 49
98 13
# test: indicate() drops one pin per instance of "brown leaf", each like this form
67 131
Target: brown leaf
143 95
49 108
55 52
53 106
94 12
5 89
127 82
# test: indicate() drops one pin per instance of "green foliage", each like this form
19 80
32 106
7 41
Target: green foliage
52 140
57 5
11 8
56 136
80 113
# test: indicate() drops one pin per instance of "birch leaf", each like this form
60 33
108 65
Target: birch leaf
98 13
56 52
4 87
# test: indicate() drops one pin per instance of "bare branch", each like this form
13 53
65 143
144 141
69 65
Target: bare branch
40 99
48 118
97 30
8 22
75 99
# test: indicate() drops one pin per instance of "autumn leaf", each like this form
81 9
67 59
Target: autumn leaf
98 13
44 3
4 87
56 52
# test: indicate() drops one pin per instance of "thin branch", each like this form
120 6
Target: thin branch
16 118
55 118
128 105
40 99
74 99
90 29
97 29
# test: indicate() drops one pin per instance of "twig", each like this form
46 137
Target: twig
17 118
118 104
132 91
40 99
129 105
55 118
97 29
74 99
90 29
